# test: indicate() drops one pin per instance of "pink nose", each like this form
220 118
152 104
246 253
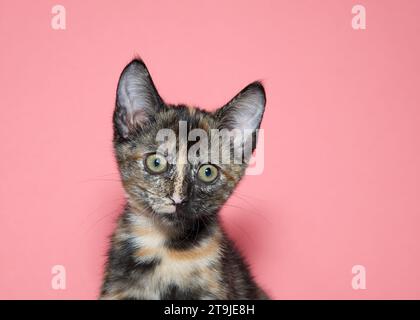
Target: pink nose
177 199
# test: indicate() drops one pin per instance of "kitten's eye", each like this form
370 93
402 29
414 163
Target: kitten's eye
156 163
208 173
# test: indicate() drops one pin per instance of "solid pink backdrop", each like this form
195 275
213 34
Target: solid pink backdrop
341 180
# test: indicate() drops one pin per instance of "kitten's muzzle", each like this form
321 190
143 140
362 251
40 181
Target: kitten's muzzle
181 207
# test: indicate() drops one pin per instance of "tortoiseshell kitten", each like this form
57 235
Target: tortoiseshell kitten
169 243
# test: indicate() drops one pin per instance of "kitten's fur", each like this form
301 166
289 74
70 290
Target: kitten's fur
185 254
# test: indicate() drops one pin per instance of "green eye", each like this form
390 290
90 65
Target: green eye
208 173
156 163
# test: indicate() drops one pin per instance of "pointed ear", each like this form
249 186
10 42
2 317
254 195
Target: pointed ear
245 110
137 98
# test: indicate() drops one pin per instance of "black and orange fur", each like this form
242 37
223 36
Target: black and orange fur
185 254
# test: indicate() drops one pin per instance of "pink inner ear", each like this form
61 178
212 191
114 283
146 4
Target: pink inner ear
138 117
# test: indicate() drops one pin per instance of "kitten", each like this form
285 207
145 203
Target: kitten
169 243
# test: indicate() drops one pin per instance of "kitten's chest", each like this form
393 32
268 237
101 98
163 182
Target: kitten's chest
192 272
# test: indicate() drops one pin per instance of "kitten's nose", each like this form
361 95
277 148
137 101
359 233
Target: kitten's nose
176 199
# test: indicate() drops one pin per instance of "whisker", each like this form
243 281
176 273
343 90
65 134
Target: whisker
247 195
249 212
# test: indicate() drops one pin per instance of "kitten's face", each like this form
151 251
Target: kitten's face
171 183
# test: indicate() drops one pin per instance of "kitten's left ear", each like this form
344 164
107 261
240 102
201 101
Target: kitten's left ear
137 99
245 110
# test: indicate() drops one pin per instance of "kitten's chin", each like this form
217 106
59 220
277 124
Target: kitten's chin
165 209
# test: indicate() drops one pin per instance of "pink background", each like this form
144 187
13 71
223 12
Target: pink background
341 180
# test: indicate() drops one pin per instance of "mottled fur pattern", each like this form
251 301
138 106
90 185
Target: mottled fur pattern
160 254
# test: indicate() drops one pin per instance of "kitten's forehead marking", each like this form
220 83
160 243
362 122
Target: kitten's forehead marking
181 164
191 110
204 124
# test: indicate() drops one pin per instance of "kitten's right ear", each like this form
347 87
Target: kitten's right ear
137 98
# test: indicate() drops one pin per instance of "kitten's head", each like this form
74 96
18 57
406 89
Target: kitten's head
180 179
